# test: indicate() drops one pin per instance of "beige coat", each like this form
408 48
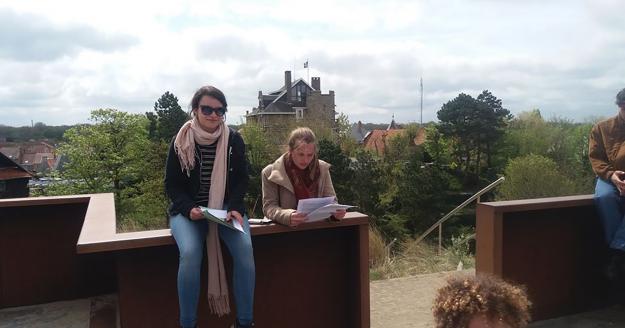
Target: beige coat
278 195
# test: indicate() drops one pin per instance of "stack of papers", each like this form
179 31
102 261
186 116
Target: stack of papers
219 217
317 209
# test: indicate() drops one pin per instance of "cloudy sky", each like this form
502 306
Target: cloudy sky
61 59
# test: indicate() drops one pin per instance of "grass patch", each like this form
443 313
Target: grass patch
412 258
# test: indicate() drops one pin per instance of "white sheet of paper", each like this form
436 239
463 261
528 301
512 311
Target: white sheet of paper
218 213
237 225
222 214
325 212
310 204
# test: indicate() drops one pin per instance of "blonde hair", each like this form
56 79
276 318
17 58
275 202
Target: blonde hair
304 135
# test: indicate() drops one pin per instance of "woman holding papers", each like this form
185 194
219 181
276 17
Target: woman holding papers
297 174
206 166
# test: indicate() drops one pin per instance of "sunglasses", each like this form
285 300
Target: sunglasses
207 110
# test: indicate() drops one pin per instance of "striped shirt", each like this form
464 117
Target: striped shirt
207 158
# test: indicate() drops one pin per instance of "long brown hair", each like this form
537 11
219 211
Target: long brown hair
305 135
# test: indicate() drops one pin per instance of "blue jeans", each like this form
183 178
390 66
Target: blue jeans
611 208
190 236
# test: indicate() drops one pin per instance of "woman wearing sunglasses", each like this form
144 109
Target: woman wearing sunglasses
207 166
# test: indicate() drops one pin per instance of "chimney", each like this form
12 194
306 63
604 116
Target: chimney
316 83
287 85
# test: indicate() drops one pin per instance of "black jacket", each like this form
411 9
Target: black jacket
182 189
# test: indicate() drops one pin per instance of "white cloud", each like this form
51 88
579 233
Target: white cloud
564 57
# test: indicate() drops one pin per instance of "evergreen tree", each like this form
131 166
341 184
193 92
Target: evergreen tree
474 125
340 170
168 119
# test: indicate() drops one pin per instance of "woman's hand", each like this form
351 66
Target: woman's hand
297 218
196 214
236 215
339 214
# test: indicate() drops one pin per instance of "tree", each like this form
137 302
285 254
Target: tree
108 156
474 125
528 134
401 147
534 176
168 119
438 147
344 134
260 152
458 120
563 141
37 131
422 194
497 118
340 170
367 182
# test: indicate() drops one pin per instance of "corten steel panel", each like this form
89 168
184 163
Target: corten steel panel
558 255
303 279
552 246
488 240
362 285
38 261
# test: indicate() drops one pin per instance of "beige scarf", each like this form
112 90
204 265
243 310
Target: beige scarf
189 134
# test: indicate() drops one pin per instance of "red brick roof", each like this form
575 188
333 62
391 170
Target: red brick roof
376 139
9 169
8 173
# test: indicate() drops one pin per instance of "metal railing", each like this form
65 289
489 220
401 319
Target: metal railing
440 222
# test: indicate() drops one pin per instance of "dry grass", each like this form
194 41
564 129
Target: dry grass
378 250
414 258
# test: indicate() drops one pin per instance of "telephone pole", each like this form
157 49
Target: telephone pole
421 87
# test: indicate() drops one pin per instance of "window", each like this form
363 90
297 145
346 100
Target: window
3 186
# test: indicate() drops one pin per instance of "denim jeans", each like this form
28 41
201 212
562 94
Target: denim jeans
190 236
611 208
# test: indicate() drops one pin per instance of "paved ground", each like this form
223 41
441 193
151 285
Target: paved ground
406 302
96 312
402 302
70 314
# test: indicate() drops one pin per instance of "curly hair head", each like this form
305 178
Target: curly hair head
467 296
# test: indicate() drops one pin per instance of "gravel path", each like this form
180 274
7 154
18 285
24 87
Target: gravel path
406 302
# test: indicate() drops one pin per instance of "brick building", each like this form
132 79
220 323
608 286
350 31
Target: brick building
296 101
34 156
13 178
377 140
